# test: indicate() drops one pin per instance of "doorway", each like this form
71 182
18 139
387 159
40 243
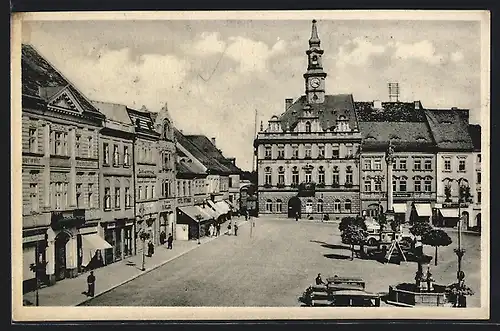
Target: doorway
60 262
294 207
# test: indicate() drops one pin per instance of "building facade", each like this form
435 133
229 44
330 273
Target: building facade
116 189
145 158
475 134
60 133
308 157
403 125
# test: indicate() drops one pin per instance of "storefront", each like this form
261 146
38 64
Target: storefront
147 222
92 248
400 212
166 218
32 253
192 223
421 212
119 234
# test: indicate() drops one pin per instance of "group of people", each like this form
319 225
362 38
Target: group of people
169 240
214 230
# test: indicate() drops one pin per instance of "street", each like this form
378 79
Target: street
273 267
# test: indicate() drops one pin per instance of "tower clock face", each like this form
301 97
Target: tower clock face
315 82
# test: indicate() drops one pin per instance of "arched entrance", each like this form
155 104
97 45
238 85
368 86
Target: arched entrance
60 250
294 207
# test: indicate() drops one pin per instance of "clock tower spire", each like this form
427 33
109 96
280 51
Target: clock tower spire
315 76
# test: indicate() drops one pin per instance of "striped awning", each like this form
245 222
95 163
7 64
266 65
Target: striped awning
423 209
400 208
449 212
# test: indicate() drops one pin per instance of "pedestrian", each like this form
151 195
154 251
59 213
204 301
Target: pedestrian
170 240
235 229
229 229
163 237
319 280
246 215
91 284
151 248
296 216
211 231
218 229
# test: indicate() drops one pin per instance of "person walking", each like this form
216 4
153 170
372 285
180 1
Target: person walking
296 216
163 237
151 248
170 240
235 229
229 228
217 227
211 230
91 284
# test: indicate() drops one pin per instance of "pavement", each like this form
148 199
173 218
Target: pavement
70 291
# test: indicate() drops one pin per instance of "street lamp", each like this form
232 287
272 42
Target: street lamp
199 218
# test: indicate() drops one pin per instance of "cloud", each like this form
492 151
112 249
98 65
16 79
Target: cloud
252 55
423 50
357 52
457 56
209 43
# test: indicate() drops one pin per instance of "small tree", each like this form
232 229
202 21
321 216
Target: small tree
353 235
420 227
447 192
436 237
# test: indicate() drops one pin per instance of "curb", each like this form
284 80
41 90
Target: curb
149 270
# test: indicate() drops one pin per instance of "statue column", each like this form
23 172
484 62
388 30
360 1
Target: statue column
389 161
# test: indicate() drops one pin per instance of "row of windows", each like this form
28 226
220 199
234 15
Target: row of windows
117 157
59 143
116 198
337 206
401 164
320 151
400 184
307 175
461 165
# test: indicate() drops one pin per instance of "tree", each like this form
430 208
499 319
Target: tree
420 227
447 192
353 235
436 237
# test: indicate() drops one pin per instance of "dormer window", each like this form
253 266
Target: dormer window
166 130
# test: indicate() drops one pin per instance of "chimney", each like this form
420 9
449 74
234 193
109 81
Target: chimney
417 104
377 104
288 103
213 141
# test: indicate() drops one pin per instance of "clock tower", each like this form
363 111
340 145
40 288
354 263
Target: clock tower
315 76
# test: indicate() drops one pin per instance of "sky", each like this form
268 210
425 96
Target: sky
214 74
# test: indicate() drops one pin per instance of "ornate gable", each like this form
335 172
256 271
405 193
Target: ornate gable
65 100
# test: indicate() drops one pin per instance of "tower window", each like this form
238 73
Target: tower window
314 59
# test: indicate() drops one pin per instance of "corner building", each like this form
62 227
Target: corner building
308 157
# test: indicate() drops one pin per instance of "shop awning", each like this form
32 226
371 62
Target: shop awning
91 243
449 212
216 207
210 212
423 209
205 212
223 206
193 212
399 208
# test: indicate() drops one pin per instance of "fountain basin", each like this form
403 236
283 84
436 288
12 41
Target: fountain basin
409 295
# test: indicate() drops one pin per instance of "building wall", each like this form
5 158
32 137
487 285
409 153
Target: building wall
59 173
454 174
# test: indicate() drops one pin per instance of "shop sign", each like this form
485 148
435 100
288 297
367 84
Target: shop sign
33 238
67 218
167 205
184 200
86 164
30 160
146 172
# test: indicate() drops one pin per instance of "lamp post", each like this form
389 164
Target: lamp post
199 218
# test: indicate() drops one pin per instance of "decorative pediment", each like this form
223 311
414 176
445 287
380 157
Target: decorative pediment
65 99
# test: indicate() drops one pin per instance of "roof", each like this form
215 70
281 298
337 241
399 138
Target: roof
206 146
475 135
450 128
42 80
390 112
327 112
188 167
142 120
210 163
404 135
113 111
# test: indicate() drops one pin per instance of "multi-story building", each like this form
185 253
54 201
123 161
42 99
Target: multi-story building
60 169
165 171
455 164
116 179
308 157
199 149
145 160
404 126
475 134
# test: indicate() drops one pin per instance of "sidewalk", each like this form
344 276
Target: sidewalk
68 292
